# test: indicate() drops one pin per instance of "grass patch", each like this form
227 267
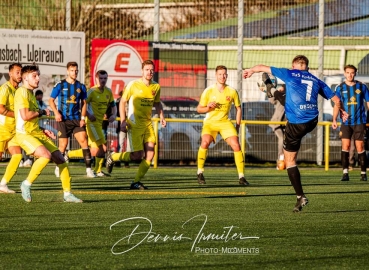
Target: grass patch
330 233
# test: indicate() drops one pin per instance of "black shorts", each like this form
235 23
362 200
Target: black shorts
294 133
356 132
67 127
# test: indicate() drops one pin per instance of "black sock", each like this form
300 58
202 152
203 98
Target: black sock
295 178
362 160
345 159
87 157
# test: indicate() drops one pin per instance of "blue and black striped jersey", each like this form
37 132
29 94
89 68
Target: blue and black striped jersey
353 99
69 98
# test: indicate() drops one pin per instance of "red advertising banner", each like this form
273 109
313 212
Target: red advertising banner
180 68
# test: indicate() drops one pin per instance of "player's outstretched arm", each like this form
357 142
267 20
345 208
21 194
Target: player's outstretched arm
247 73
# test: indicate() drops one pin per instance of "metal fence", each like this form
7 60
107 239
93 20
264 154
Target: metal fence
239 34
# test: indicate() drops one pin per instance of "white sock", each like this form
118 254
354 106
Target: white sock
27 183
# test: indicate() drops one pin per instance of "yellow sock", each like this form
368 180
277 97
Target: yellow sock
37 168
12 167
75 153
201 157
125 156
98 164
142 169
65 177
240 164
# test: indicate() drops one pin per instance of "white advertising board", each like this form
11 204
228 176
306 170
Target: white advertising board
50 50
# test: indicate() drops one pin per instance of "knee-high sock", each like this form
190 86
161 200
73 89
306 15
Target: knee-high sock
201 158
87 157
98 164
345 159
37 168
65 177
362 159
12 167
295 179
240 164
78 153
125 156
142 169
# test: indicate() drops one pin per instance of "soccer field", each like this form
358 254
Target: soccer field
177 224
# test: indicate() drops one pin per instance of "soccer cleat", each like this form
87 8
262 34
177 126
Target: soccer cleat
269 84
72 198
27 163
26 192
243 182
201 179
363 177
102 174
57 174
137 185
66 158
5 189
90 173
300 203
109 163
345 177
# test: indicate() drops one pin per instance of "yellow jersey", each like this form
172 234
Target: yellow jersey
141 99
24 98
7 92
223 99
98 102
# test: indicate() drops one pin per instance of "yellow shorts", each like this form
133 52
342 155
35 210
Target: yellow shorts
95 134
139 136
29 143
5 143
225 128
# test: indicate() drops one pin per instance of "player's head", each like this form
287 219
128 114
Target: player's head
30 76
148 70
350 72
221 74
101 78
72 70
15 70
39 94
300 62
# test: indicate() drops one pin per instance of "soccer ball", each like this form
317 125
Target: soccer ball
281 165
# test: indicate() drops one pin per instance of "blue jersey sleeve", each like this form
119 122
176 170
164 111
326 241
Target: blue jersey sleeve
366 92
325 90
56 90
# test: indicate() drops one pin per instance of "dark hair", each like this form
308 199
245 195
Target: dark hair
39 92
301 59
221 68
350 66
11 66
72 64
147 62
29 69
101 72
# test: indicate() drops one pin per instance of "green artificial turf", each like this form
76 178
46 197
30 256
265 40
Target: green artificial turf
177 224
